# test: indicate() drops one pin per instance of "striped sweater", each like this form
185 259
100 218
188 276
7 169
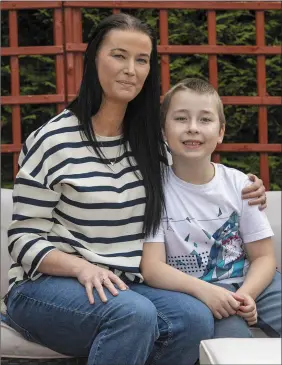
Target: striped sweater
66 197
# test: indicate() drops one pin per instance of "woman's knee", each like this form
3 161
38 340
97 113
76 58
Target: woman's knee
139 311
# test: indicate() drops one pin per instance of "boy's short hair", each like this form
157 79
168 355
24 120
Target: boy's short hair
200 87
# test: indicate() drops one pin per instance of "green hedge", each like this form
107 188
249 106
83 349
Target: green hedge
237 74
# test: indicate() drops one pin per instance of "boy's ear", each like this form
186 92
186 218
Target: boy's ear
221 134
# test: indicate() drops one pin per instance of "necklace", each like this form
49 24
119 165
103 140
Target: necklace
117 156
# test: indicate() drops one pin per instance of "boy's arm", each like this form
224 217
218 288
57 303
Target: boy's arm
256 233
157 273
262 267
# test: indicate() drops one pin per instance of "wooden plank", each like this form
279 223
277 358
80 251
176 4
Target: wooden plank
70 72
60 59
19 5
200 4
213 70
162 49
165 72
225 147
38 50
32 99
201 49
252 100
250 147
249 100
214 49
11 148
261 87
15 87
213 75
77 38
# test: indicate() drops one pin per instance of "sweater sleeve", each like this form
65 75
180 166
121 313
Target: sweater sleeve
33 204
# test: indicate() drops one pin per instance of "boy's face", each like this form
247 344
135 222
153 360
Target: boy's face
192 127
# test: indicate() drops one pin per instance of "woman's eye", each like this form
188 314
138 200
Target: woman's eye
120 56
143 61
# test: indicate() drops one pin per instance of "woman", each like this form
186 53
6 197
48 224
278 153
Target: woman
89 189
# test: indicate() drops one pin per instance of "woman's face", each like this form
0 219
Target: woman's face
123 64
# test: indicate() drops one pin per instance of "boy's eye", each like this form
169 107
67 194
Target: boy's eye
206 120
180 119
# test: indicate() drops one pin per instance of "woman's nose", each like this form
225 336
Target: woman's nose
130 68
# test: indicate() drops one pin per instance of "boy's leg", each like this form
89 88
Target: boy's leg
233 326
55 312
269 308
183 322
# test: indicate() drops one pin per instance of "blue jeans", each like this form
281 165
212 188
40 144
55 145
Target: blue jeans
269 314
140 325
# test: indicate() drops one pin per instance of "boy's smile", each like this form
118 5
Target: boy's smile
192 144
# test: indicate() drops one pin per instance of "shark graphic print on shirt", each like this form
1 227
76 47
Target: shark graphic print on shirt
212 256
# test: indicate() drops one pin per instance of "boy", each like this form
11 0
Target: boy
211 244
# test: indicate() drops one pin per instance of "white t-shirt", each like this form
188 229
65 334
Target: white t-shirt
206 226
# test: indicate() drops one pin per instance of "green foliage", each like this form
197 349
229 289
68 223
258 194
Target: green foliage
236 73
236 27
187 27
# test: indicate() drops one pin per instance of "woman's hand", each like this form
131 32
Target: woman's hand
255 192
222 302
92 276
248 310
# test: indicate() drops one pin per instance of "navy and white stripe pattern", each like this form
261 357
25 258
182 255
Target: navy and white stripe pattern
66 197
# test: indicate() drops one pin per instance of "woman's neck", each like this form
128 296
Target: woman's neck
194 172
108 120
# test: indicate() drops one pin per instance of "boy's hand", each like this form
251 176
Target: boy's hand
248 310
222 302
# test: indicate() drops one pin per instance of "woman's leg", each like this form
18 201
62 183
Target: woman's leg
183 322
55 312
269 308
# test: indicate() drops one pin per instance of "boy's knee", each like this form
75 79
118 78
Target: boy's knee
198 323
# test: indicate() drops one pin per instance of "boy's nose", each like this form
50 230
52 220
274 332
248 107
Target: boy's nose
192 127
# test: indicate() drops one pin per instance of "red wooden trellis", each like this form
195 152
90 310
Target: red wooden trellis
68 49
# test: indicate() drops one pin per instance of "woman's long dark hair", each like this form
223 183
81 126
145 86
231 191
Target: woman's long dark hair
141 124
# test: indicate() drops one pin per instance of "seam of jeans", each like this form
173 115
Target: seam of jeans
99 345
165 343
55 306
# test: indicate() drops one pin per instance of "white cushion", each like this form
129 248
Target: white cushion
273 212
241 351
6 219
15 346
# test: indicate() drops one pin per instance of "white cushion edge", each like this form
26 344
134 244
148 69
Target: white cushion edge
205 356
14 349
